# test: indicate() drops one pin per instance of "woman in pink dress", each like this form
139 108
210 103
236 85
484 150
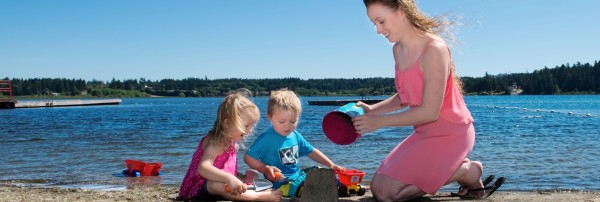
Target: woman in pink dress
436 152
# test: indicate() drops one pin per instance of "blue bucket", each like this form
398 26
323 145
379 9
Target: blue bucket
337 124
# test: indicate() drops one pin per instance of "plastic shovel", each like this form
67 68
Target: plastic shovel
259 185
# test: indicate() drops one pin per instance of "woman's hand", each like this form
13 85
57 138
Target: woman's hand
366 107
361 122
364 124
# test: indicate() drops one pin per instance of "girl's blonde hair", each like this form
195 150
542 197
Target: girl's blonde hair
283 99
230 110
437 25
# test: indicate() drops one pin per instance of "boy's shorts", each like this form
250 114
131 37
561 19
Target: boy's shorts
292 187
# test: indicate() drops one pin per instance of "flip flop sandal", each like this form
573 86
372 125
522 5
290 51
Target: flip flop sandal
485 183
488 190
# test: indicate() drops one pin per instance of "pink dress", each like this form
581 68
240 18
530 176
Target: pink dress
192 182
435 150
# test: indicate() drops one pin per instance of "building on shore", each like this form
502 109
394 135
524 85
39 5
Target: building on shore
514 89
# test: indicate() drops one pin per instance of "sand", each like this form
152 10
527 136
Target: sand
10 192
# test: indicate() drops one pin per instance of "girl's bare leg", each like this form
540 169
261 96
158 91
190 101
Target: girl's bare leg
217 188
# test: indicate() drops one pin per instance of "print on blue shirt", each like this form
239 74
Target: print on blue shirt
289 155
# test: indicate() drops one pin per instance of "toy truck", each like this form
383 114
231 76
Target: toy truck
348 183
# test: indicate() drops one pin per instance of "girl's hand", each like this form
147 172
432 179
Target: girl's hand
364 124
337 167
273 173
235 187
365 106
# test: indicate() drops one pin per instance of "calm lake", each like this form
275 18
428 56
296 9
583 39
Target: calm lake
537 142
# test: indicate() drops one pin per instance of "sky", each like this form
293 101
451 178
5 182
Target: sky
307 39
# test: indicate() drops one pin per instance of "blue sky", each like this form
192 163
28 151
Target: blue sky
132 39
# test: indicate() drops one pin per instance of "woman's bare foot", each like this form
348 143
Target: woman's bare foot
471 179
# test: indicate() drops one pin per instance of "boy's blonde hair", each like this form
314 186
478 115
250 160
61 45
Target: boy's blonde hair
231 109
283 99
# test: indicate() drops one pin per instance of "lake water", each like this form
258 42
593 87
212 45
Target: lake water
537 142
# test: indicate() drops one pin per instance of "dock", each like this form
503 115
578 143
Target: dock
66 103
7 103
341 102
10 103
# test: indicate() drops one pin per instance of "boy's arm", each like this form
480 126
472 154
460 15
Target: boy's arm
320 158
255 164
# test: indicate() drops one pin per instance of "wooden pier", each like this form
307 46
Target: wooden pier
341 102
7 103
66 103
10 103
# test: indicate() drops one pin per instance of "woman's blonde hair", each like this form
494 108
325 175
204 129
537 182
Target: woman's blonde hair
438 25
283 99
230 111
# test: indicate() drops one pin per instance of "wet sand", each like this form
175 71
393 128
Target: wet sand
10 192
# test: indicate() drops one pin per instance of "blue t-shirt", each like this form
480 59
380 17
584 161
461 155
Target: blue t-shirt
281 151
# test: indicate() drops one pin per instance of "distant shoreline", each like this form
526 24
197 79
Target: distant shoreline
157 96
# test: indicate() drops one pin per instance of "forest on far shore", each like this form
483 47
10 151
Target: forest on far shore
578 78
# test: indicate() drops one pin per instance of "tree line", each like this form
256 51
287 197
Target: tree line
563 79
577 78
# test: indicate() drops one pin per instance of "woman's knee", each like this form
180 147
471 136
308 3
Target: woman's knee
380 187
405 194
384 188
380 184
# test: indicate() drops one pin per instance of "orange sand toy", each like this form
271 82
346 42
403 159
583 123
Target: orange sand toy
348 182
137 168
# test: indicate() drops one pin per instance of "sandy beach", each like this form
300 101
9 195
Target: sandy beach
169 192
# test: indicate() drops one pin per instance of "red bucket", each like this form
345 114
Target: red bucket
350 177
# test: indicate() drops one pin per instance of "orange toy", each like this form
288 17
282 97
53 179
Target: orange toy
137 168
348 182
279 176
